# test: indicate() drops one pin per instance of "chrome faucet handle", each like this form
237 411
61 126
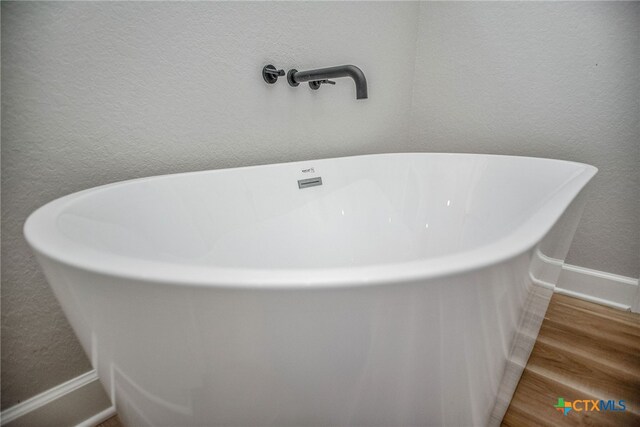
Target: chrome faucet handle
270 74
315 85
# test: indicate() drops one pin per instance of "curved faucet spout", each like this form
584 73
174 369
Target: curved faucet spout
296 77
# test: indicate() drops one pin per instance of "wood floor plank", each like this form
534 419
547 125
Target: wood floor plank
534 400
606 353
583 373
598 326
596 309
111 422
583 351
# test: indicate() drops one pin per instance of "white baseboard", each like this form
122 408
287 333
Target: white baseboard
98 418
80 401
600 287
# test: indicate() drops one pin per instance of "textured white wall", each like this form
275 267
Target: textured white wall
100 92
546 79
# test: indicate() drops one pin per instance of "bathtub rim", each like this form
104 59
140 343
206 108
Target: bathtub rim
41 234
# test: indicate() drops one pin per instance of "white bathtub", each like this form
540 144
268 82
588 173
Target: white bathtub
407 289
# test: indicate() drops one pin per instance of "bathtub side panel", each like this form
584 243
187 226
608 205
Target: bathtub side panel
422 353
546 265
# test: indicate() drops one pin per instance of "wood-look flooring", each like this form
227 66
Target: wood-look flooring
111 422
583 351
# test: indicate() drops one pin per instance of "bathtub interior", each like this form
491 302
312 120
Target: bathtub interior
369 210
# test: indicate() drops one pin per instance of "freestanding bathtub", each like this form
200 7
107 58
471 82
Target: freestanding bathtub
379 290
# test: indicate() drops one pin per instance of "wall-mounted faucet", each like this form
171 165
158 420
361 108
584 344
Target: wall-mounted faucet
322 76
